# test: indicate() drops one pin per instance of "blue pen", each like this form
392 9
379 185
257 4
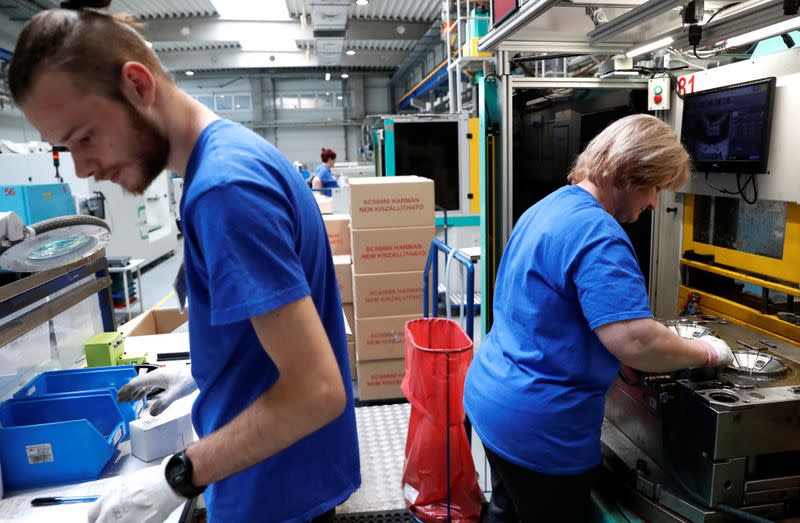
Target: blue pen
59 500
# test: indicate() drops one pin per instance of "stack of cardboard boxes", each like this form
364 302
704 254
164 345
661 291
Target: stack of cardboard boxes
392 225
338 229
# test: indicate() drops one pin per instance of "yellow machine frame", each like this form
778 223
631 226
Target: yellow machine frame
755 269
785 269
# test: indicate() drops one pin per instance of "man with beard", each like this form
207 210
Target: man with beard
274 411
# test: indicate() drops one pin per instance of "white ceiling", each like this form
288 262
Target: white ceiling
189 34
395 10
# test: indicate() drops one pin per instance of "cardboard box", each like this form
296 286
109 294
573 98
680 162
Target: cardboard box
391 250
382 338
154 321
152 333
380 379
344 271
349 314
387 294
351 353
155 437
338 228
391 201
325 203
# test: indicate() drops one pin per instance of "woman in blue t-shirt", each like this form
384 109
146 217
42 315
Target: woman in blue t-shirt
570 305
323 177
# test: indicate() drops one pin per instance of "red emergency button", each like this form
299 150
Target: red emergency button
657 98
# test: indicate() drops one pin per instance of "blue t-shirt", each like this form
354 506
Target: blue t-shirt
254 242
535 391
326 176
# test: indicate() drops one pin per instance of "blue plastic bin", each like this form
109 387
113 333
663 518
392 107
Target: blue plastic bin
58 439
82 381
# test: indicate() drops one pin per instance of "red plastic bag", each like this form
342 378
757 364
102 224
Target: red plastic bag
438 354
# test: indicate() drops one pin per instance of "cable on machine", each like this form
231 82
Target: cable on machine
740 188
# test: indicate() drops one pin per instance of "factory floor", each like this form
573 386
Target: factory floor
381 429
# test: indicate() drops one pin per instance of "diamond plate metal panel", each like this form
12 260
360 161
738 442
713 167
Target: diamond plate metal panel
381 444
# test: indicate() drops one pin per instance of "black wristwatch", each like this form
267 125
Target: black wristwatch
179 475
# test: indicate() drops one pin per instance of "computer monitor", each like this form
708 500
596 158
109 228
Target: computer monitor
727 129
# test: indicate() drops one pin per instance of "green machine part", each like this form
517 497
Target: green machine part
490 191
478 22
377 152
108 348
388 147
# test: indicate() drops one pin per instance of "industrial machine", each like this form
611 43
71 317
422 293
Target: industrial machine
50 243
144 225
700 443
34 203
443 148
108 348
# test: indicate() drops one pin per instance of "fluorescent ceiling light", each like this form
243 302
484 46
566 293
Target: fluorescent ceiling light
249 10
362 2
340 97
266 44
189 73
345 76
763 33
350 52
651 46
327 76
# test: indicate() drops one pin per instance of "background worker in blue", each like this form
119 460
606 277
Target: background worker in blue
275 412
303 170
323 177
570 305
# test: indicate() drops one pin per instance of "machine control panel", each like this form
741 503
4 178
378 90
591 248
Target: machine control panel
658 94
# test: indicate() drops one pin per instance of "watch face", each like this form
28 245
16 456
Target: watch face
179 475
176 469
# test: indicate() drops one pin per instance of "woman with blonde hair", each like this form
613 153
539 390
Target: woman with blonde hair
570 305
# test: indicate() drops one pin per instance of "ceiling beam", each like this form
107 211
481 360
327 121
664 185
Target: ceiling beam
213 29
381 30
235 59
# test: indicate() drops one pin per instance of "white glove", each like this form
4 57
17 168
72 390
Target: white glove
177 382
141 497
719 354
11 228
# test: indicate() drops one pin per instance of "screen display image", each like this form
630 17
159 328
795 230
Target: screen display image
430 149
727 129
501 9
